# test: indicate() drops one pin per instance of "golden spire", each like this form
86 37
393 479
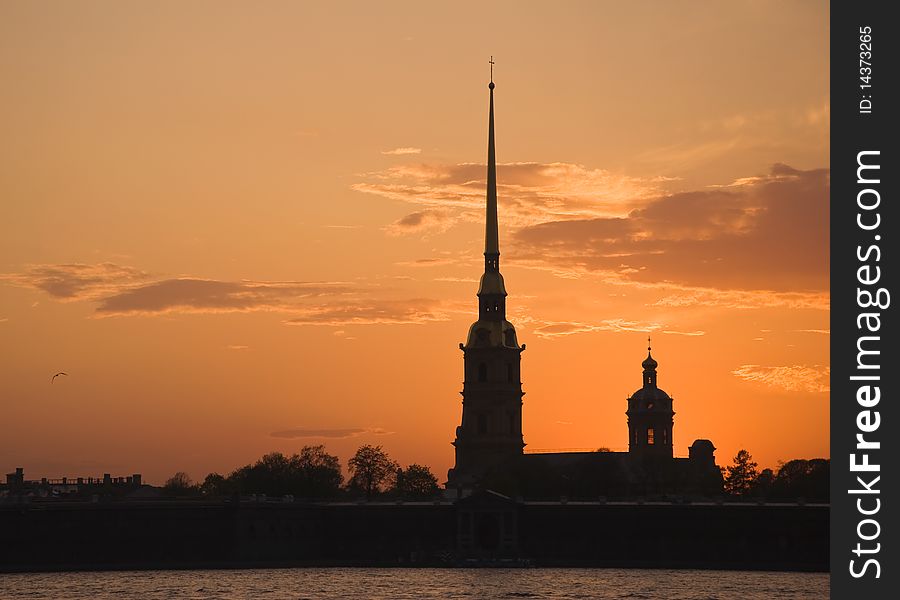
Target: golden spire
491 235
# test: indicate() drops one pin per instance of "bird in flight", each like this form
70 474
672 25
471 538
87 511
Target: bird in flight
57 375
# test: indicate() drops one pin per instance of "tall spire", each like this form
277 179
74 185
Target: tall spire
649 365
491 235
491 290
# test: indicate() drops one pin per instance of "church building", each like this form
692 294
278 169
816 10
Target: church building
490 443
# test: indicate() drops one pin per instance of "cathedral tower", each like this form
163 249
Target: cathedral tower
491 429
650 416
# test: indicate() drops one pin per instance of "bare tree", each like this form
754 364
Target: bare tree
179 483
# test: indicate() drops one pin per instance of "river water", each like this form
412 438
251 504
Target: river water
486 584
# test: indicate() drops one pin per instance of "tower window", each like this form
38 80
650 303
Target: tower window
482 423
665 433
650 436
482 372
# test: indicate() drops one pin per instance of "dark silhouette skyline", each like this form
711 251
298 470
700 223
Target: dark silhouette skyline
251 213
490 441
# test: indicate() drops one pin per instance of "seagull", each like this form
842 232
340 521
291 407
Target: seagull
57 375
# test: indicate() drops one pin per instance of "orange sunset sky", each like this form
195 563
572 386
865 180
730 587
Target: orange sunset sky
243 227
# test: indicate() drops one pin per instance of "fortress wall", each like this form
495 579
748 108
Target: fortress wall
177 534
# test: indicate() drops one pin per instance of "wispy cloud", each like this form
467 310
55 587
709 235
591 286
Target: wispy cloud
429 262
371 312
77 281
456 279
122 291
684 296
550 329
402 151
212 296
532 192
430 221
793 378
339 433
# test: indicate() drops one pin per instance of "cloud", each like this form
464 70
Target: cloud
549 329
115 292
531 192
211 296
420 222
456 279
76 281
795 378
428 262
370 312
682 296
687 333
236 347
760 233
402 151
340 433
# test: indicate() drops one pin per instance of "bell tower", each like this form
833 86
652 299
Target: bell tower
650 415
491 428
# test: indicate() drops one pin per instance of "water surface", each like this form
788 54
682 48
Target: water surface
389 584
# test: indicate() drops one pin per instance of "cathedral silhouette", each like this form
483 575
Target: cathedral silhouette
490 444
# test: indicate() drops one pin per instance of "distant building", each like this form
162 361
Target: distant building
17 485
489 442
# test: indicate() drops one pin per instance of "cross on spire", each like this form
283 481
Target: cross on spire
648 342
492 68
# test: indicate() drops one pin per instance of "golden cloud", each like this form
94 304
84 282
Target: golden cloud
792 378
531 192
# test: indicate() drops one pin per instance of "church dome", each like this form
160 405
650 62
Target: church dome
651 393
702 445
649 364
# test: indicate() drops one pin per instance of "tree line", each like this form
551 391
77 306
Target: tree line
315 474
798 478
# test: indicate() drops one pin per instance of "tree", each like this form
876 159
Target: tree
179 484
371 470
416 481
741 475
313 473
214 485
320 472
762 485
800 478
